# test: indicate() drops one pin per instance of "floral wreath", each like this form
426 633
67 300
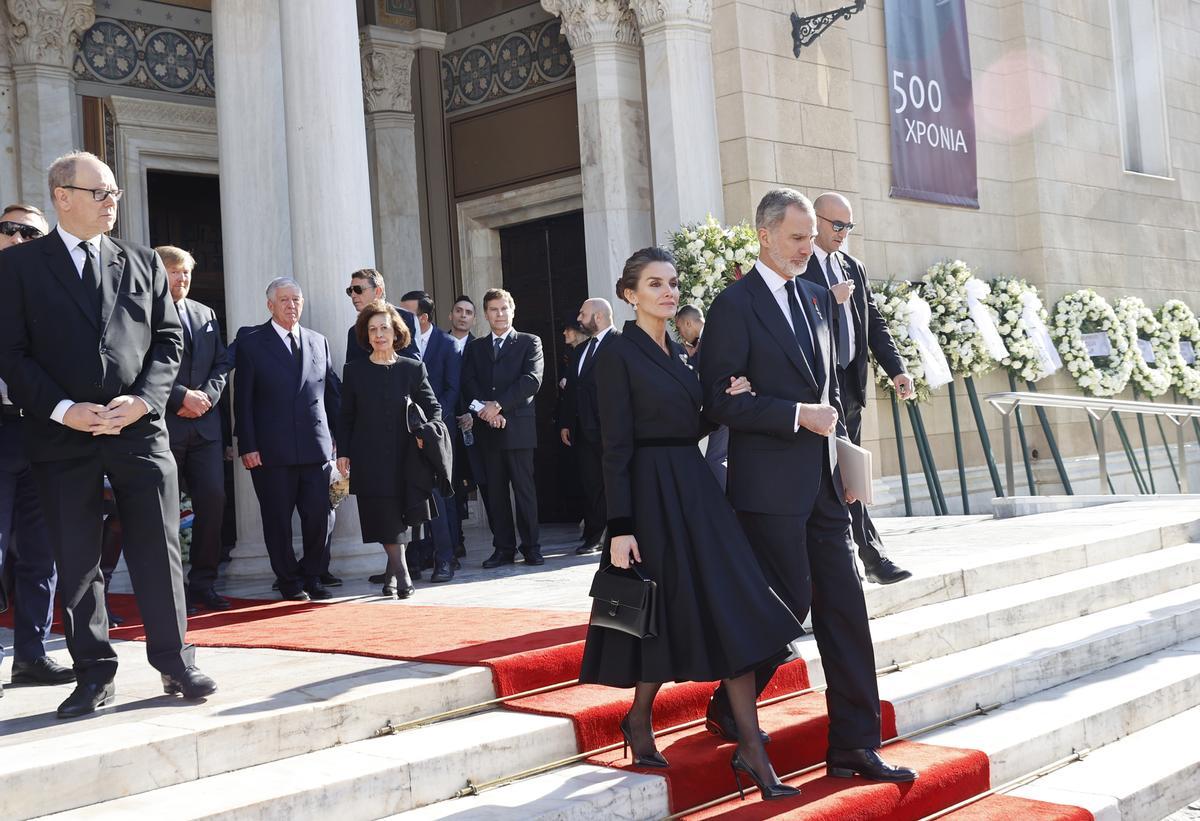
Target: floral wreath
1138 320
1179 324
944 287
1006 299
891 298
1085 311
709 257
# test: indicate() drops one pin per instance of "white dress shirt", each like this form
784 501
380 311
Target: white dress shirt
284 334
423 339
840 275
460 342
599 337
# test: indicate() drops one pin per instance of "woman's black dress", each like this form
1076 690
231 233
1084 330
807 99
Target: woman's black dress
717 616
373 433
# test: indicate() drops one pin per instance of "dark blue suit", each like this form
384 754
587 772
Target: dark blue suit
282 411
444 366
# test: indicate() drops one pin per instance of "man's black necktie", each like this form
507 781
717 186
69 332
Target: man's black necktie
295 349
91 280
497 343
841 321
587 353
802 331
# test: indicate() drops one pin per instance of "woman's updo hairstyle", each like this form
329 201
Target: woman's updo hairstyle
632 272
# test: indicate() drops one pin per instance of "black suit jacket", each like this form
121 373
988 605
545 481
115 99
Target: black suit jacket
203 367
869 325
354 351
54 347
512 380
444 367
284 415
580 410
773 468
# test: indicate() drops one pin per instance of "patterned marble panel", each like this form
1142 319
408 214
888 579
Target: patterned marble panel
134 54
505 65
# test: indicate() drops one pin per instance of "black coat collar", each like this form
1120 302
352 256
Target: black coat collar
674 364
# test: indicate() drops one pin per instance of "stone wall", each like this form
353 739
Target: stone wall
1057 206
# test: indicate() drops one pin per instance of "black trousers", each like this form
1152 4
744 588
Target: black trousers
282 489
809 562
588 452
870 544
201 466
147 497
505 468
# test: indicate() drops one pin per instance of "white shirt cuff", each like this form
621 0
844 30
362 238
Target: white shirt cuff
60 411
796 429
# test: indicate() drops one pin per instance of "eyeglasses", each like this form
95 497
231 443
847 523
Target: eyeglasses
99 194
8 228
838 225
358 289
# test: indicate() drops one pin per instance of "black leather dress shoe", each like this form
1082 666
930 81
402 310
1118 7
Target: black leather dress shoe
299 595
44 670
867 763
534 556
87 698
209 599
497 559
330 580
317 592
887 573
444 572
720 723
192 684
588 549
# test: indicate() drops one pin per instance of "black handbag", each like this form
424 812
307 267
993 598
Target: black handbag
624 600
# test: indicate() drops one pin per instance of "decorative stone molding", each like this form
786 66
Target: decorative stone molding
135 54
652 12
136 112
506 66
586 22
387 59
46 32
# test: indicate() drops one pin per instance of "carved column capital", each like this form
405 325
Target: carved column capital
46 32
587 22
652 12
387 60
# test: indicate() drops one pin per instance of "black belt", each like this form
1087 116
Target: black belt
11 412
665 442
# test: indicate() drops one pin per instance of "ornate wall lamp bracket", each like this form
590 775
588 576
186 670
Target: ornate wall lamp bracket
805 30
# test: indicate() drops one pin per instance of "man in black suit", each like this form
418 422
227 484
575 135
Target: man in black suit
285 393
27 560
689 322
468 463
366 286
772 326
89 346
580 419
443 366
194 425
858 325
502 372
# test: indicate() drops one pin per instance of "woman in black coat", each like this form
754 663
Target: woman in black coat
373 437
717 616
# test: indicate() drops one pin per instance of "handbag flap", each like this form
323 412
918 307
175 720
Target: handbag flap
620 589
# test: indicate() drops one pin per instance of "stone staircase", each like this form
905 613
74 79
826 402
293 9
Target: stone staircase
1083 625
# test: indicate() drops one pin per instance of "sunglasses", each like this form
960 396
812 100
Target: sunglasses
8 228
838 225
358 289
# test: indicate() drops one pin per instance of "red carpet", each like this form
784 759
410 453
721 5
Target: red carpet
1010 808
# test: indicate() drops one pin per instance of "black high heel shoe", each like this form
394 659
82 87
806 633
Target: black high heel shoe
654 759
770 792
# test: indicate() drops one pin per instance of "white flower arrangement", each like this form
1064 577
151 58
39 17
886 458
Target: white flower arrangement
891 298
708 257
944 287
1140 321
1085 311
1006 300
1179 324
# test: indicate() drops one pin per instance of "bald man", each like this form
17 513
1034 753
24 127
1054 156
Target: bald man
857 326
581 419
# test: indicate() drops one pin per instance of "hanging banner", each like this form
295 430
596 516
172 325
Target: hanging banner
932 102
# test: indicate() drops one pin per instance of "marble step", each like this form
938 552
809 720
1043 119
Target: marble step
127 752
1009 669
935 630
1143 777
987 554
362 780
1087 713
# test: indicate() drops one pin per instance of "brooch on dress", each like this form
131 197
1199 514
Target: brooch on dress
684 359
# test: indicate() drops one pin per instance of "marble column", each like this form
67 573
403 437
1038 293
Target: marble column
682 111
604 42
256 229
387 61
42 40
10 169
